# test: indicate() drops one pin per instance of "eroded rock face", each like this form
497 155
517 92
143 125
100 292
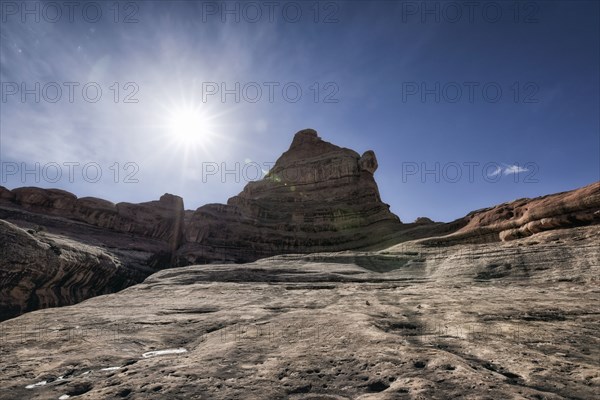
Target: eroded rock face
40 270
58 250
368 161
317 197
162 219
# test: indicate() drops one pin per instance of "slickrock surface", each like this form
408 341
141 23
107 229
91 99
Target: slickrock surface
317 197
501 320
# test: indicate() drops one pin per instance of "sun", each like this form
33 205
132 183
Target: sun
191 129
188 126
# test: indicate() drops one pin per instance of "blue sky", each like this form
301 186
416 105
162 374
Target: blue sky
465 106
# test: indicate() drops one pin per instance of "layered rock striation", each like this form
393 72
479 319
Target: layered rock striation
525 217
40 270
56 249
317 197
162 219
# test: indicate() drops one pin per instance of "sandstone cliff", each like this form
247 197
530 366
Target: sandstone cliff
162 219
317 197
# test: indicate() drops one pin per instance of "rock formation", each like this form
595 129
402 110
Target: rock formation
317 197
423 220
57 249
525 217
162 219
40 270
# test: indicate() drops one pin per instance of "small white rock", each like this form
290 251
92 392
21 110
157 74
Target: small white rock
42 383
164 352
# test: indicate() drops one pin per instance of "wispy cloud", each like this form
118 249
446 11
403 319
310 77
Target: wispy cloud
496 172
507 169
514 169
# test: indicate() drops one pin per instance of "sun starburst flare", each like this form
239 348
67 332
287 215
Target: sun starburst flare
189 127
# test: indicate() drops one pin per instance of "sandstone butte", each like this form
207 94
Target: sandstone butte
58 249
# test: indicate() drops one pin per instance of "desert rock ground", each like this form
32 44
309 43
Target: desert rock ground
511 320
